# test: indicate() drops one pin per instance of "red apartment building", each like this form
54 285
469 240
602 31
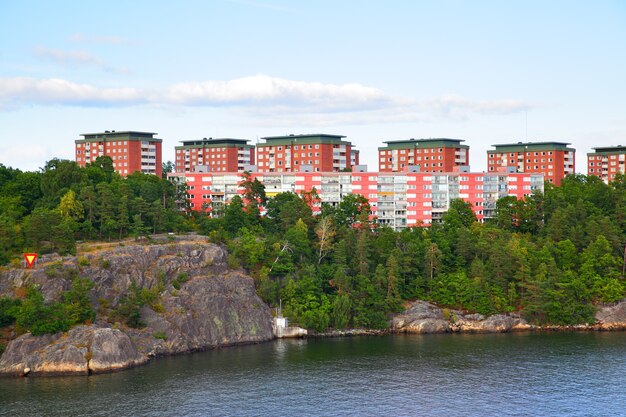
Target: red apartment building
554 160
606 162
397 200
130 151
316 152
220 155
432 155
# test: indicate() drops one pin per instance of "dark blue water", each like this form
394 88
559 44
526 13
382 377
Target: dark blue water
573 374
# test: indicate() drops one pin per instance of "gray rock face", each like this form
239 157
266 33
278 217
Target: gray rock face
84 349
612 317
424 317
204 305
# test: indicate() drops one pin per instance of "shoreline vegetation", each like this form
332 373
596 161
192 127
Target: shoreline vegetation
130 259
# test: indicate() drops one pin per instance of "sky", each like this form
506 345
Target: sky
487 72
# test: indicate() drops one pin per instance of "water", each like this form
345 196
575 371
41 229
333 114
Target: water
574 374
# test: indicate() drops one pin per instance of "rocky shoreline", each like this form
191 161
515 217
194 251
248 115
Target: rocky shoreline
203 305
422 317
213 306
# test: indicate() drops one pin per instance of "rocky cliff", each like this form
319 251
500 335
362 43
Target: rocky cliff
424 317
202 304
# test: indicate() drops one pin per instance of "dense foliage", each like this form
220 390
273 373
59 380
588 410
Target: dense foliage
47 211
550 257
33 314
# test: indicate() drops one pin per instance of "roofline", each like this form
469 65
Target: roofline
304 136
215 140
424 140
609 148
532 143
119 132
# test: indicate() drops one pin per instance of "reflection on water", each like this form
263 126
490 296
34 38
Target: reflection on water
512 374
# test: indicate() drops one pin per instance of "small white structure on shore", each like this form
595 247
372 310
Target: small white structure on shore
281 327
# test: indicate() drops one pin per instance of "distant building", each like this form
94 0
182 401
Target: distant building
432 155
606 162
554 160
397 200
130 151
220 154
316 152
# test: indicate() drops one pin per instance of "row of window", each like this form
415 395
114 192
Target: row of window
498 155
426 150
287 147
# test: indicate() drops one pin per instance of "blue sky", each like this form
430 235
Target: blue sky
484 71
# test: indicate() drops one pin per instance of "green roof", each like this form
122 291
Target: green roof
531 146
113 135
211 143
608 150
424 144
304 139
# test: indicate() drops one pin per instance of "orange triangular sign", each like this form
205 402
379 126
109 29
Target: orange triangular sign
30 259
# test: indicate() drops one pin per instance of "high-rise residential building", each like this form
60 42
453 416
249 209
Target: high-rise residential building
315 152
397 200
220 155
554 160
432 155
606 162
130 151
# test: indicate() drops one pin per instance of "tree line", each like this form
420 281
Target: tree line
552 257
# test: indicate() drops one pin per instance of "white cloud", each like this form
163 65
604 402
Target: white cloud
58 91
70 58
262 97
263 89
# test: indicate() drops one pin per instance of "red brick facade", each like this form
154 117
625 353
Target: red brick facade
552 159
130 151
295 153
220 155
431 155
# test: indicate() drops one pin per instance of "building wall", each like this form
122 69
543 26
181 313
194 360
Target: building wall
321 157
397 200
227 158
606 165
129 154
434 159
554 164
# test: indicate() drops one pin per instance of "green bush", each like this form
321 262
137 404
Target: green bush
160 335
34 315
8 307
54 269
83 261
129 307
180 280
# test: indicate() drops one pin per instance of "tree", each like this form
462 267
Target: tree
70 207
325 233
234 216
460 214
167 167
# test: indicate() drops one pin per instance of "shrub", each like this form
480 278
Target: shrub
83 261
129 307
160 335
8 308
54 269
180 280
39 318
105 264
